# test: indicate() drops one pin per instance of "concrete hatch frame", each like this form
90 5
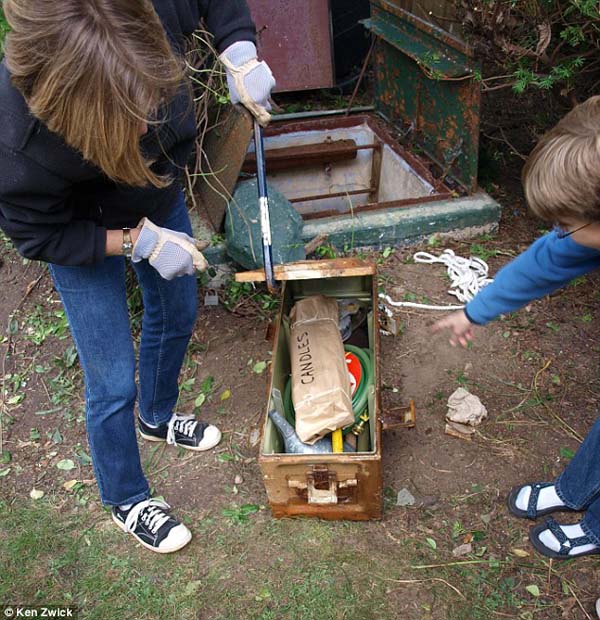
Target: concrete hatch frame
402 173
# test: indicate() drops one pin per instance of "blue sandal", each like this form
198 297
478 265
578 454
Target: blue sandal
532 512
566 543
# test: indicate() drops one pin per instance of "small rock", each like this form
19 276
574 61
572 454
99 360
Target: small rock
254 437
405 498
238 480
461 550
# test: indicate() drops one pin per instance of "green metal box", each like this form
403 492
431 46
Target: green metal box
428 82
329 486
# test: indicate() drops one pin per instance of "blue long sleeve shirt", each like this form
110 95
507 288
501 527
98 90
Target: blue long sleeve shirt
544 267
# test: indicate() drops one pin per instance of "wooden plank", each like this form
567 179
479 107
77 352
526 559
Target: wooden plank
312 269
223 154
304 155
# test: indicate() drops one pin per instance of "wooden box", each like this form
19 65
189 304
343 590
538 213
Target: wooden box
329 486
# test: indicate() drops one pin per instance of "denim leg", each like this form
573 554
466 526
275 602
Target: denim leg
170 308
96 308
579 485
590 523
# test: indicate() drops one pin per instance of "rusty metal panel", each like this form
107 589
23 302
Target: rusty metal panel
295 39
427 81
441 12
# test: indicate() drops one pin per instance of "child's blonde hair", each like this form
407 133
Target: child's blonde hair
562 175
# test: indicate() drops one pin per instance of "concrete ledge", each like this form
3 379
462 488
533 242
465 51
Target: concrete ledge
463 217
460 218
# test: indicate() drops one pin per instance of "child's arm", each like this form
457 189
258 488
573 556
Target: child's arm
545 266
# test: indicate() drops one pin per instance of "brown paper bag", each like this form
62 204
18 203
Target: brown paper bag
320 382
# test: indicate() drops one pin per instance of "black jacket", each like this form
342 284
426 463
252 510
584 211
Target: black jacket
55 206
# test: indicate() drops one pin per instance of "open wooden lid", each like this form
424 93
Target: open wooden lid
313 270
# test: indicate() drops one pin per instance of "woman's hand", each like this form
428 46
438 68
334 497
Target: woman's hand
459 324
171 253
250 82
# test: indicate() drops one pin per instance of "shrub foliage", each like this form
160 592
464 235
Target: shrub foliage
536 44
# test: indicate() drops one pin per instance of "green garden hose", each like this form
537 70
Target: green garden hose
360 397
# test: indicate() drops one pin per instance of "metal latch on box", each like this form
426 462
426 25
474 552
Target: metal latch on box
322 486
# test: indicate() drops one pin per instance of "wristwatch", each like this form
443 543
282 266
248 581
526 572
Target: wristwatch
127 245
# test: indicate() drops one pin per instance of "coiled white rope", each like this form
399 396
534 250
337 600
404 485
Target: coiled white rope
467 277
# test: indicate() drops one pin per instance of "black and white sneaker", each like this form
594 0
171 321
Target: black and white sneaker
183 430
153 527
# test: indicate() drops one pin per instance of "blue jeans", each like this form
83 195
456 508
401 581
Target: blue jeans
579 485
96 308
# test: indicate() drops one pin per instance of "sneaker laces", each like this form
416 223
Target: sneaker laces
184 424
151 512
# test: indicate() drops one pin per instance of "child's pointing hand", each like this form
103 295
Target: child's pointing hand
459 324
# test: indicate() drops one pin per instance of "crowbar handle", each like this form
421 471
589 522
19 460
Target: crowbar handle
263 204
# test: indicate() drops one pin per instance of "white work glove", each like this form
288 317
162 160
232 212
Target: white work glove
250 82
171 253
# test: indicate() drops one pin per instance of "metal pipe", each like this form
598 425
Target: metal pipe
315 113
354 192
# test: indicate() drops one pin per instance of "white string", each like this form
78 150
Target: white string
467 277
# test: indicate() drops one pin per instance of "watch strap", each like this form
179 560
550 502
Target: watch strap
127 246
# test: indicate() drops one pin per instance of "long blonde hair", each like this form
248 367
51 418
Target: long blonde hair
562 175
94 72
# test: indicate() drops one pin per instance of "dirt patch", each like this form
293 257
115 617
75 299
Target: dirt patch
536 372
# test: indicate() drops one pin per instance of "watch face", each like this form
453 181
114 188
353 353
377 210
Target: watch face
127 245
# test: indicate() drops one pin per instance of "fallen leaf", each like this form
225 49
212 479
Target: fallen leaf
200 399
69 484
461 550
520 553
56 436
65 464
545 31
191 587
226 395
36 494
5 472
533 590
254 437
431 543
259 367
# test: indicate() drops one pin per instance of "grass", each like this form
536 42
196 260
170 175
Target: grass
241 564
53 552
49 555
